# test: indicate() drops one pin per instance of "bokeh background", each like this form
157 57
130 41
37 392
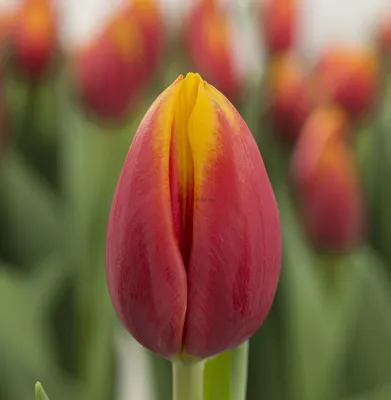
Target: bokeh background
312 79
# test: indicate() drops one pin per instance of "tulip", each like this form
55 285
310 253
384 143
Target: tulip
279 24
208 41
291 98
350 78
193 241
6 25
34 39
109 71
150 19
116 65
384 34
326 180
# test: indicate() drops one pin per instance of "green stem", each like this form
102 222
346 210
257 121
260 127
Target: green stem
239 369
188 380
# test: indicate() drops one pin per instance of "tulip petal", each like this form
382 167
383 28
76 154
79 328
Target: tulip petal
235 261
145 271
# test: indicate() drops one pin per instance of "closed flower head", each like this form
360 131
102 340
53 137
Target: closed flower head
193 241
327 184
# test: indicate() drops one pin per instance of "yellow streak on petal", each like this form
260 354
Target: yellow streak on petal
163 110
203 125
226 107
187 118
186 100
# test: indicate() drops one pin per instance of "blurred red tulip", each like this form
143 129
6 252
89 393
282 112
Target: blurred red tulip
35 36
325 176
384 34
208 42
350 78
6 25
291 97
193 248
148 15
113 68
279 24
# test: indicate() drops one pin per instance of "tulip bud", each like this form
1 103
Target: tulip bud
208 42
291 101
326 179
34 41
109 71
193 241
150 19
385 32
279 24
350 78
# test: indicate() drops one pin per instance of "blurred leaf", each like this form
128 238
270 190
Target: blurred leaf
380 393
40 393
378 165
25 340
162 377
100 375
27 207
217 378
266 377
369 362
319 312
34 123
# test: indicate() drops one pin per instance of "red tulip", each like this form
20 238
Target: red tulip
114 68
193 241
384 34
326 179
110 70
35 36
208 43
350 78
279 24
150 19
291 100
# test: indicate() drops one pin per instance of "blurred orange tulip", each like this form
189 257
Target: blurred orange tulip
208 42
115 66
325 176
350 78
279 24
35 36
291 101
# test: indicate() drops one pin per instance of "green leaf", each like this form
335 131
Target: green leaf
321 304
27 206
369 352
26 345
266 376
380 393
40 393
162 376
217 378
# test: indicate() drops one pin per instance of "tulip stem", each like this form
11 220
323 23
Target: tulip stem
188 380
239 369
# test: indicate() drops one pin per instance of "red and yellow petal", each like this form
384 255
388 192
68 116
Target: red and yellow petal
145 271
235 256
